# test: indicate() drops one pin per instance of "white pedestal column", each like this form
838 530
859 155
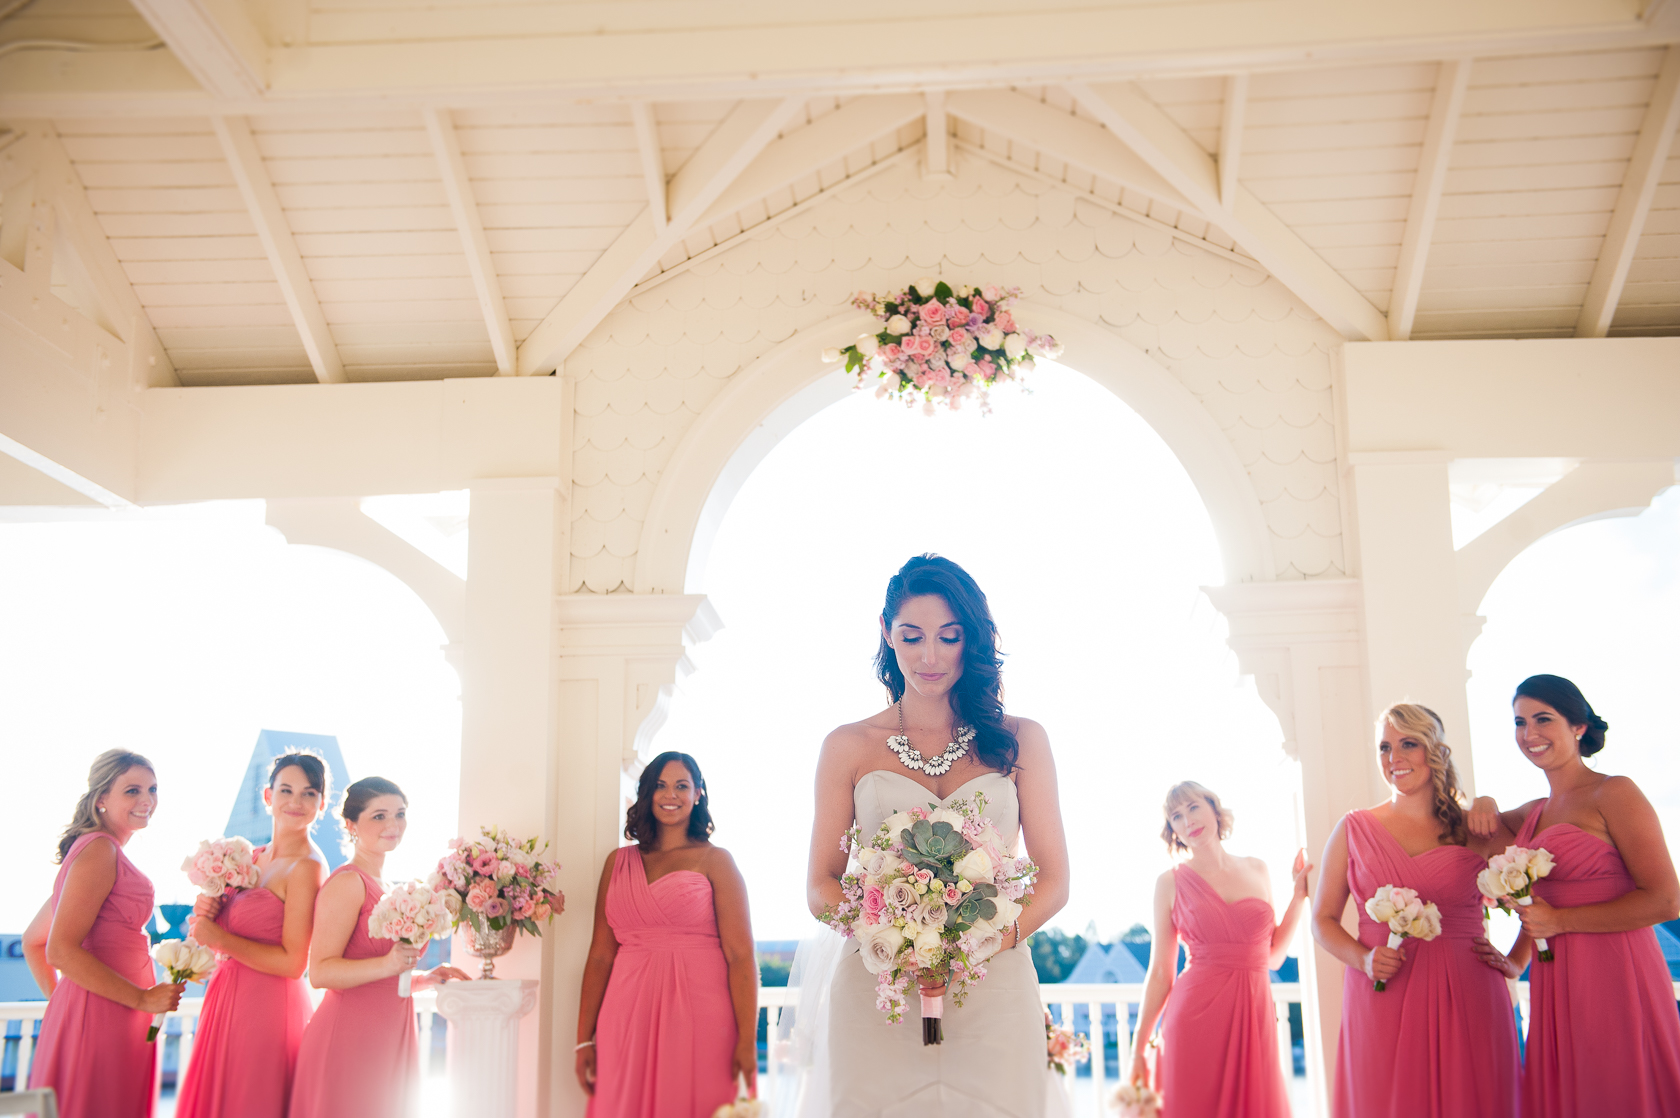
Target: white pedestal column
484 1043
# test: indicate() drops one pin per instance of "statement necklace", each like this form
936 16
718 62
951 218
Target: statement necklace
899 743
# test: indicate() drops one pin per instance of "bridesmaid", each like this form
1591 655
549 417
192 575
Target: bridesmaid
256 1006
92 1049
360 1057
668 1018
1219 1053
1440 1042
1603 1034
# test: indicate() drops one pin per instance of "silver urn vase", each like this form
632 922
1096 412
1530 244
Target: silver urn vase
488 944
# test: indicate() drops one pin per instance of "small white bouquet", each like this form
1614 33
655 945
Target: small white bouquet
410 913
222 864
184 960
743 1107
1134 1100
1406 916
1513 874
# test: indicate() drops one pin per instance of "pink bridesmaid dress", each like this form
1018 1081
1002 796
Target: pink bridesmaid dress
92 1051
1441 1041
250 1027
360 1056
1603 1032
1219 1053
665 1037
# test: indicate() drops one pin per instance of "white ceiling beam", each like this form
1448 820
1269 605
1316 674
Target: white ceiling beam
217 43
936 161
1633 205
1061 135
1230 136
1166 147
446 146
653 159
257 189
1451 84
745 132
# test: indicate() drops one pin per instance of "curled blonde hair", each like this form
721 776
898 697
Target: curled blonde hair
107 769
1188 791
1424 725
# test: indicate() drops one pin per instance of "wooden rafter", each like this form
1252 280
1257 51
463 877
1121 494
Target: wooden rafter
653 159
446 146
1160 142
1633 205
1444 111
217 43
1230 136
936 161
240 149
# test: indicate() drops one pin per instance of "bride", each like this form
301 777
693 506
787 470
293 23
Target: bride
944 736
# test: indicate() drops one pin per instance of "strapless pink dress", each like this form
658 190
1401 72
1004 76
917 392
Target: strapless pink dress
1603 1032
1441 1041
92 1051
250 1027
1219 1054
360 1056
665 1037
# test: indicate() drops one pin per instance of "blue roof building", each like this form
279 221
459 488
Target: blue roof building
1109 962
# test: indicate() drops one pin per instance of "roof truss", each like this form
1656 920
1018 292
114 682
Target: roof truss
1444 110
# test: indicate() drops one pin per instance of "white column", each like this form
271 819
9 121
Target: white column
1301 642
484 1043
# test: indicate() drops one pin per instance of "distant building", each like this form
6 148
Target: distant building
1106 962
249 818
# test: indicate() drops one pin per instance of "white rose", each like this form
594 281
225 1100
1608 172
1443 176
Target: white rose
874 862
992 338
1515 879
930 948
984 941
1381 906
1014 346
879 945
898 324
167 953
1540 863
924 286
867 344
945 815
830 355
1428 923
1491 884
930 914
976 865
1519 857
1008 911
898 822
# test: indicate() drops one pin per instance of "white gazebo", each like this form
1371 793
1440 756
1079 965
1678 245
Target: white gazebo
580 260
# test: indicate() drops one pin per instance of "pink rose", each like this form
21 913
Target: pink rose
1006 322
952 896
873 902
933 313
924 876
958 338
495 907
543 912
485 864
992 291
979 308
480 895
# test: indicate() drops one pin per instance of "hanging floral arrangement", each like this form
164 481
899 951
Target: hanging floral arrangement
943 344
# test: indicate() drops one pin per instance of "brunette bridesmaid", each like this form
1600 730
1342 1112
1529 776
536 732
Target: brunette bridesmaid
360 1056
1440 1041
668 1018
92 1049
256 1006
1603 1034
1219 1052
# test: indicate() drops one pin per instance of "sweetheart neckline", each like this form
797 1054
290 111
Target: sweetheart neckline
929 791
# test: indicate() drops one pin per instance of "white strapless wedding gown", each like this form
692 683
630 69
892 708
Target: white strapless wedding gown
992 1064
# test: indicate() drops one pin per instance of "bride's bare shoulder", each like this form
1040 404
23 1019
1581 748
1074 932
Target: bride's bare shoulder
855 737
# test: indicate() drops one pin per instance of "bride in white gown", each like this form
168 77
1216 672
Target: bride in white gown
945 736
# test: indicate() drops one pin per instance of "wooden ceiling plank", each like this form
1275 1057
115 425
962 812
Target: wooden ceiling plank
653 159
936 161
464 206
1230 136
1178 158
217 43
1627 221
735 143
1448 104
257 189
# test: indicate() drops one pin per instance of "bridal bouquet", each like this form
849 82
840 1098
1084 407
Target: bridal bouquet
943 343
410 913
1513 874
1064 1047
931 895
1134 1100
184 960
222 864
495 881
1405 914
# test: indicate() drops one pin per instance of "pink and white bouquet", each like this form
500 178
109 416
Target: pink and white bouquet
931 895
184 960
1406 916
1513 874
1134 1100
497 881
942 343
222 864
1065 1048
410 913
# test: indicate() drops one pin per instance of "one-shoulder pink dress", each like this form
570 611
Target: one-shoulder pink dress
250 1027
1603 1032
665 1038
1441 1040
1219 1053
92 1051
360 1055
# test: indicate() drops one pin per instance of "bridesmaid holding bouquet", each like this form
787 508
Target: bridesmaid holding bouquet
1219 1053
256 1006
1603 1035
92 1049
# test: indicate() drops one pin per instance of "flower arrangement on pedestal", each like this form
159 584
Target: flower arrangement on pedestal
498 886
943 344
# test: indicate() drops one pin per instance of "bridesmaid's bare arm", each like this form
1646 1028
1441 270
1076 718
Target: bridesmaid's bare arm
1041 827
35 950
92 876
286 959
833 817
597 969
729 898
1163 963
1380 962
1485 820
337 908
1284 933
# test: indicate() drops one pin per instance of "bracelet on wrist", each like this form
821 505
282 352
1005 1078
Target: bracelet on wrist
585 1044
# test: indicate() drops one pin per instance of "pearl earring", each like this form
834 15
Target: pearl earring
102 811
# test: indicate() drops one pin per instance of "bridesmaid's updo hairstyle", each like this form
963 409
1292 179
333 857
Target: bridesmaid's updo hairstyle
977 699
107 769
639 824
357 796
1566 698
1188 791
1426 728
314 770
